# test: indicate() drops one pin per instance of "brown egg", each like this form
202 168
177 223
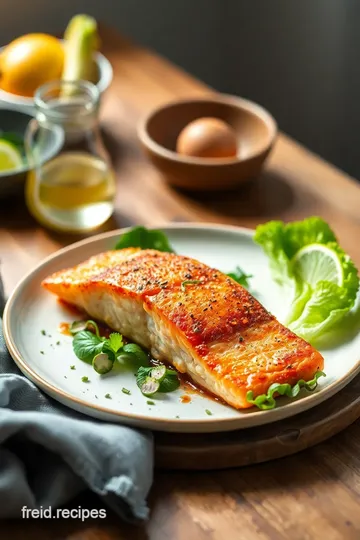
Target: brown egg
208 138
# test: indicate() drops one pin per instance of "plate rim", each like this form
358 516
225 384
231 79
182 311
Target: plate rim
253 419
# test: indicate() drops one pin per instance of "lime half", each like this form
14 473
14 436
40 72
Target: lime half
318 263
10 157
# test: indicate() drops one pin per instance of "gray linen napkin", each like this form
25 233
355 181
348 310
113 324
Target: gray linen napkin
49 453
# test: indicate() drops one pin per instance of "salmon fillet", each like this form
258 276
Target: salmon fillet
191 316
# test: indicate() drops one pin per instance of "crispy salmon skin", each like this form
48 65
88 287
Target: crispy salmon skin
191 316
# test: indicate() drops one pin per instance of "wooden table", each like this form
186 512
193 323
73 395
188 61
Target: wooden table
312 495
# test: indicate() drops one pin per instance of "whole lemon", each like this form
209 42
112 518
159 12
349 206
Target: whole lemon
30 61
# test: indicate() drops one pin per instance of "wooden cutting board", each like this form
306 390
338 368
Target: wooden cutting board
263 443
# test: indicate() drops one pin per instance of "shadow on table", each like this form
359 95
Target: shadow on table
310 470
267 196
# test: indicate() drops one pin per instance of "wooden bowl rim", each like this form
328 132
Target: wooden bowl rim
226 99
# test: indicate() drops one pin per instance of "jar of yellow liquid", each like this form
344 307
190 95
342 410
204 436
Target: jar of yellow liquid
73 191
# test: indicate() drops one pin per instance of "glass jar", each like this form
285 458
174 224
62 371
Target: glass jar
74 189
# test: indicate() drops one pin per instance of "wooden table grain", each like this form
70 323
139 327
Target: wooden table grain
312 495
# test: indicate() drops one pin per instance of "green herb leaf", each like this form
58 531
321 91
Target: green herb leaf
189 282
115 341
108 396
267 401
142 374
134 353
240 277
86 345
126 391
145 239
208 412
170 382
85 379
72 367
149 402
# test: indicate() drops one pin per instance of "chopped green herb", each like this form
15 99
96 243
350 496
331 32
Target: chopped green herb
267 401
149 402
85 379
96 396
58 343
158 373
167 383
72 367
43 332
102 363
150 386
80 326
189 282
177 416
126 391
108 396
65 377
42 352
208 412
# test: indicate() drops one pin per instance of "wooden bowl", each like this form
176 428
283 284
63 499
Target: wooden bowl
255 129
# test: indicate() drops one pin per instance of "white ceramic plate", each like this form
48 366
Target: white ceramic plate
31 310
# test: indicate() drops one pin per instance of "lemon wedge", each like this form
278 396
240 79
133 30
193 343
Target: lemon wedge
10 157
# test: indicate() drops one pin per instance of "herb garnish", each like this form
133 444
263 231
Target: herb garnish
72 367
240 277
102 352
108 396
145 239
85 379
267 401
86 345
208 412
156 379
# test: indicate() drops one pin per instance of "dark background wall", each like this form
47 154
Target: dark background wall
298 58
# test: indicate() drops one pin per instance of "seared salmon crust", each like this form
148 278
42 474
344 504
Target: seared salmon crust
191 316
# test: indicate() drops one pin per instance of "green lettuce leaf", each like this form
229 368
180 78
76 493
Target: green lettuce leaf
267 401
144 239
320 307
